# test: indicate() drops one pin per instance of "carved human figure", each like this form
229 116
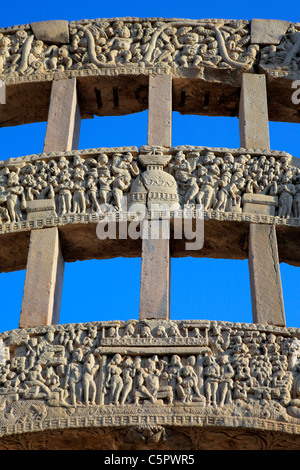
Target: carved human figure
190 50
296 201
90 341
218 340
282 381
52 381
5 46
114 382
28 181
119 46
127 377
64 190
92 189
48 351
211 374
4 214
173 372
207 191
147 383
105 180
224 192
89 389
187 387
64 59
190 187
15 199
35 384
123 169
226 380
286 191
271 348
74 376
78 189
181 165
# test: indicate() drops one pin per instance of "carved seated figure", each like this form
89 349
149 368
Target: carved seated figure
36 386
190 51
148 384
120 46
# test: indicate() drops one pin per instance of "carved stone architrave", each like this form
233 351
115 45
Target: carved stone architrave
82 185
146 378
212 52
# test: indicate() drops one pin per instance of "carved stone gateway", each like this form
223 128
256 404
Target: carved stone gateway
152 382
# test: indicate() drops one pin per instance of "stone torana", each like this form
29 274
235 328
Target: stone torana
150 382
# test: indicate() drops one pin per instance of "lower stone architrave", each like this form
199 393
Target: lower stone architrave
205 384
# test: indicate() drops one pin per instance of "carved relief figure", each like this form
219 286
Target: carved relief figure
238 370
95 44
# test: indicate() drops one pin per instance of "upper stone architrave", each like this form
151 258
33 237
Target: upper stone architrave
214 51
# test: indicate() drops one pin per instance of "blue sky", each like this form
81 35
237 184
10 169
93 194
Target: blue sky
109 289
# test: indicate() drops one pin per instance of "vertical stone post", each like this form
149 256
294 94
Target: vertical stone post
44 279
160 110
155 270
265 282
45 263
64 119
253 112
264 270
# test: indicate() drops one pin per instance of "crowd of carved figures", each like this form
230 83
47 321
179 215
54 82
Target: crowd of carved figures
89 184
76 185
104 43
68 367
219 183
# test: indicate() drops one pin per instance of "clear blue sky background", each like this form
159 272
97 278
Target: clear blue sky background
109 289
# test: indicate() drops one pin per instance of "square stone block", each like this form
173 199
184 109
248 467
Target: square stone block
259 204
40 209
51 31
267 32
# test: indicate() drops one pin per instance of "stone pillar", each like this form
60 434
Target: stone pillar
265 281
64 119
155 270
44 280
45 264
264 271
253 112
160 110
